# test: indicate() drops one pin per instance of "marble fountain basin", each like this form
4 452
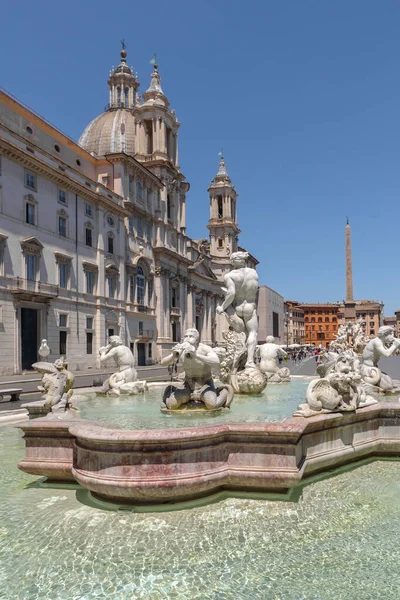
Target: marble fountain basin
175 462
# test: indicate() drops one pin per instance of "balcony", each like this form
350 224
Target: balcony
36 290
145 334
175 311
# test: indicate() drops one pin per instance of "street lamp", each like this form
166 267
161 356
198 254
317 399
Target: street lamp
287 329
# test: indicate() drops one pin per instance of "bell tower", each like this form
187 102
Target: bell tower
223 225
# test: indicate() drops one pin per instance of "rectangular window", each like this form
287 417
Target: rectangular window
89 282
139 190
30 213
110 331
62 196
148 231
140 327
110 245
62 275
149 291
30 180
89 322
63 343
149 196
131 185
139 226
63 320
220 243
30 261
130 224
150 351
88 210
111 286
89 342
275 325
88 235
62 226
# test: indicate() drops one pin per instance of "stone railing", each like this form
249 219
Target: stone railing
146 334
18 285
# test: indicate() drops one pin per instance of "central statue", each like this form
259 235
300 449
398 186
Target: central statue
240 304
240 309
198 388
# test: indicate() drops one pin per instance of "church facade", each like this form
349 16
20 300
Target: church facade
93 234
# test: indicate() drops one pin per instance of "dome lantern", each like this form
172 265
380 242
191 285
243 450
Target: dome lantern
123 84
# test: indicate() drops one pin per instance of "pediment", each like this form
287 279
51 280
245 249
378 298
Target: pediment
32 241
202 268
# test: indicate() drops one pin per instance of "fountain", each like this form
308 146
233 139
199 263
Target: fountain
172 464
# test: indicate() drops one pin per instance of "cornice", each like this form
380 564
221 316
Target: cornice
136 164
36 165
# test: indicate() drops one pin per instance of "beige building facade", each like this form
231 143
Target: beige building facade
294 316
93 234
370 311
271 315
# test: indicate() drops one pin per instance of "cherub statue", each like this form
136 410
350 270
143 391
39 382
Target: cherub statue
198 389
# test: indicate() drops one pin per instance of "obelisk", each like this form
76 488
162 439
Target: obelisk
349 304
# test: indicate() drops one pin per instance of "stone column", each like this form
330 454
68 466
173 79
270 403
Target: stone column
349 305
158 291
182 301
190 320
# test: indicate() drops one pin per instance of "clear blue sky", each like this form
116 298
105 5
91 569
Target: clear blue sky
303 96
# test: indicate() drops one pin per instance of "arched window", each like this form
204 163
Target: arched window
326 319
140 285
118 96
319 319
312 319
126 94
306 320
169 207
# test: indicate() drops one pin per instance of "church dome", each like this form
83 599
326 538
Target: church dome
112 131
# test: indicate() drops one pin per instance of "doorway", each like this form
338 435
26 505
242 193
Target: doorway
141 355
29 337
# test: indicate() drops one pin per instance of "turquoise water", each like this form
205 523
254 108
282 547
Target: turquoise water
339 541
277 402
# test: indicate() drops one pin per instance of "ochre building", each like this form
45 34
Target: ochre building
320 323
